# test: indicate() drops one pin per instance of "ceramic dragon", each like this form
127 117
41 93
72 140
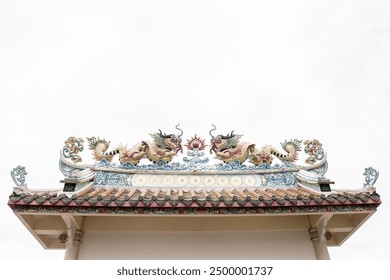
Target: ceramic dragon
267 153
100 147
163 147
100 151
228 148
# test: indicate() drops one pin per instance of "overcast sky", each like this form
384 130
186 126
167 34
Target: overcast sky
270 70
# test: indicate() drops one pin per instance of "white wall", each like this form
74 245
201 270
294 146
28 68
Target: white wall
253 244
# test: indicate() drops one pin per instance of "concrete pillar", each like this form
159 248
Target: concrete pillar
319 244
72 251
321 250
73 237
73 246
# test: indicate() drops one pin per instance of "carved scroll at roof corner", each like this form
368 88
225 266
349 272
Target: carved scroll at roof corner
370 177
18 175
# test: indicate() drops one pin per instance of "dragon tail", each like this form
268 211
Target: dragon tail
292 148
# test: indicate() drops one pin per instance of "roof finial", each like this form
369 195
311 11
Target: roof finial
370 176
18 174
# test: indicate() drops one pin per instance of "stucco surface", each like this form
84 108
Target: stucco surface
197 245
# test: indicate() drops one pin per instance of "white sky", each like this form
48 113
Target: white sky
271 70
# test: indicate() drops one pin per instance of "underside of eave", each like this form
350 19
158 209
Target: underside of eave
28 223
341 237
342 225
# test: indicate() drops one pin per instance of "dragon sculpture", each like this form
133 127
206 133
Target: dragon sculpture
99 148
228 148
265 155
163 148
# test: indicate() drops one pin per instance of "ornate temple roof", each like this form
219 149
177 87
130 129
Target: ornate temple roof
150 179
242 177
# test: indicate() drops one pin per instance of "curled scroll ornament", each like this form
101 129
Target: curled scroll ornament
18 174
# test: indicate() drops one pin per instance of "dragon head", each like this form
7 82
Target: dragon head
220 142
170 142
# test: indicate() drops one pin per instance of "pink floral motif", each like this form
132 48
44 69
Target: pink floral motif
72 147
196 143
314 149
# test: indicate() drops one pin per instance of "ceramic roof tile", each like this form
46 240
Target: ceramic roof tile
174 195
120 193
241 195
95 191
133 194
145 197
252 194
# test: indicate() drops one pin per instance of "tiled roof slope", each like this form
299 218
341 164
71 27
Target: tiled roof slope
180 198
